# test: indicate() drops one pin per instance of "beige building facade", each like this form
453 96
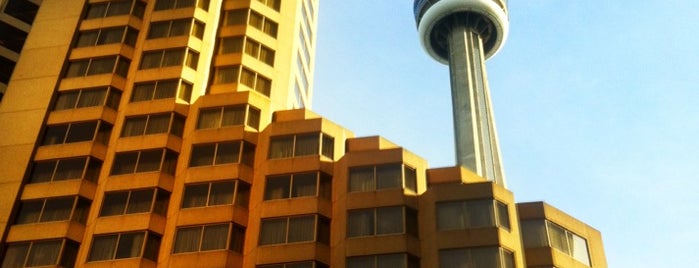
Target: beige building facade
177 133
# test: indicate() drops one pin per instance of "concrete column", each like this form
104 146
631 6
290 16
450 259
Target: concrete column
474 130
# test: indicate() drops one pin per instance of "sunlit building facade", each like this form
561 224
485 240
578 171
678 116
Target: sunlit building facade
176 133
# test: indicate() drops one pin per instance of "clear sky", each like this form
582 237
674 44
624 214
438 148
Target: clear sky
596 105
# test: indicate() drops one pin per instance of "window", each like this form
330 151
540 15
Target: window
298 185
397 260
305 264
162 90
135 201
75 99
115 35
495 257
61 252
300 145
245 76
457 215
94 66
153 124
273 4
295 229
175 4
172 28
379 177
87 168
12 38
252 18
77 132
23 10
226 236
162 160
53 209
169 57
115 8
543 233
220 153
239 44
216 193
125 245
381 221
226 116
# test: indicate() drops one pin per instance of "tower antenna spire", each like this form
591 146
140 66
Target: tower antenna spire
464 34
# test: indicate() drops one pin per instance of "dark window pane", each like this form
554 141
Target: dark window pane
187 239
81 132
162 200
227 153
124 163
43 171
166 89
55 135
149 161
134 126
68 169
57 209
114 203
140 201
389 177
15 255
129 245
304 185
158 123
306 145
101 66
233 116
66 100
202 155
389 220
273 231
242 195
222 193
89 98
195 195
152 247
159 29
215 237
209 118
301 229
29 211
360 222
103 248
277 187
143 92
44 253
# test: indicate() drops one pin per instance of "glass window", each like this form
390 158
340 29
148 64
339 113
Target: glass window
87 98
472 214
115 8
65 169
296 145
293 229
218 153
41 253
123 245
172 28
215 193
161 90
95 66
135 201
380 221
228 116
297 185
398 260
105 36
476 257
209 237
379 177
144 161
53 209
153 124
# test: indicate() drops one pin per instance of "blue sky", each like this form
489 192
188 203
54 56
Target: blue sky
595 104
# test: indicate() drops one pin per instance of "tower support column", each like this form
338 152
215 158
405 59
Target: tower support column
474 130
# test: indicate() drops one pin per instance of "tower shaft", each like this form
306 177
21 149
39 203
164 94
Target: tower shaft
474 130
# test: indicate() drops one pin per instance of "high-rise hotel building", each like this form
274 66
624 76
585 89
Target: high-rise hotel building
176 133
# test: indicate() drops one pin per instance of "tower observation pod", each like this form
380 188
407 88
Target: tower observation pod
463 34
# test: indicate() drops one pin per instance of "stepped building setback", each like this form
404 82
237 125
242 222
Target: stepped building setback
178 133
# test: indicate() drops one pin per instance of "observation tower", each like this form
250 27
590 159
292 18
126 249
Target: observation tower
464 34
